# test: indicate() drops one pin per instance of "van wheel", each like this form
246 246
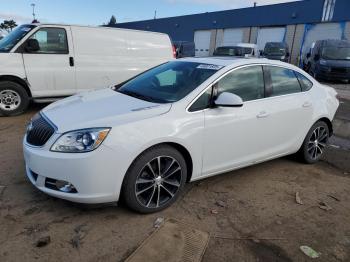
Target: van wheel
314 143
14 99
155 180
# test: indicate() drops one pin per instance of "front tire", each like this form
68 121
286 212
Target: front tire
155 180
314 143
14 99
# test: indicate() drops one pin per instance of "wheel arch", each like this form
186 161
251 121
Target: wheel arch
182 149
17 80
329 124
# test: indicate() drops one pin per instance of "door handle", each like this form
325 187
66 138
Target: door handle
307 104
262 114
71 61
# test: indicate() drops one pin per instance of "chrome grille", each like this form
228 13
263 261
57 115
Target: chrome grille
39 131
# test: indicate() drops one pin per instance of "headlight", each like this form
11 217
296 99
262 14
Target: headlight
80 141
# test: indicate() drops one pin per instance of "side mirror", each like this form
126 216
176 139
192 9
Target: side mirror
317 57
308 55
32 45
226 99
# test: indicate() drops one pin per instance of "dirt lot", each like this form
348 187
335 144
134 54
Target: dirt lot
256 219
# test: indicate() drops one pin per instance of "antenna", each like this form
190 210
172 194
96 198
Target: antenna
33 6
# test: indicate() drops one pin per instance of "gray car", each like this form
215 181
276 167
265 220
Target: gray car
276 51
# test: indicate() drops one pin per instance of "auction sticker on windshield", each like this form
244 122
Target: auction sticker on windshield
211 67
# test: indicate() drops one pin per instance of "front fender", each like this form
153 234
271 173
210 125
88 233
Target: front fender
11 64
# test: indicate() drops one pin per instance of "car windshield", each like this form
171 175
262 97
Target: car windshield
336 53
168 82
9 41
274 50
232 51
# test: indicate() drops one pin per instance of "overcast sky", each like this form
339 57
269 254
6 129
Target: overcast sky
97 12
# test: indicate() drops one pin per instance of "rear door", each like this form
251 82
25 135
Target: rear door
50 71
288 108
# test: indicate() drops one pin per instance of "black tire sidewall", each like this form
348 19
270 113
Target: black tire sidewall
128 189
22 93
304 152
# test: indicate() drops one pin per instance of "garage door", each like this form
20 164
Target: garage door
271 34
320 32
202 42
231 37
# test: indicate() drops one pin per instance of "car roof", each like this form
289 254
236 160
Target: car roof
227 60
231 62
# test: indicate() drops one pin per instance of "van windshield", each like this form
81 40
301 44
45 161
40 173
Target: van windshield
168 82
336 53
9 41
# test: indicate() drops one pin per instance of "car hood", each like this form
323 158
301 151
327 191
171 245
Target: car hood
102 108
337 63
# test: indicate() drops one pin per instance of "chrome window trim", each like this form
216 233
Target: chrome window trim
240 67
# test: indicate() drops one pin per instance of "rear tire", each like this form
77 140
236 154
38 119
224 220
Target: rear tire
148 188
314 143
14 99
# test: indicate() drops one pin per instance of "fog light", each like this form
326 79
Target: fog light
65 186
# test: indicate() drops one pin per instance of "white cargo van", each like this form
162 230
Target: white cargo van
44 62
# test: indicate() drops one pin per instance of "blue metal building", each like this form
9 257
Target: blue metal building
297 23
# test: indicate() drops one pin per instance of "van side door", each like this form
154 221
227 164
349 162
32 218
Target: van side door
50 67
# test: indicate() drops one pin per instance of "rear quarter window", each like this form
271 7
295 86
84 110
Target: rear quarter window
305 83
283 81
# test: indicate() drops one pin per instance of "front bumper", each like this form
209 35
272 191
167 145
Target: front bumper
332 74
95 175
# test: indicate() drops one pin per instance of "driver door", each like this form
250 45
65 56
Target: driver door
50 70
236 136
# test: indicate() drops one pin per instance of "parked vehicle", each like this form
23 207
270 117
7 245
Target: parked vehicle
43 62
184 49
239 50
329 59
182 121
276 51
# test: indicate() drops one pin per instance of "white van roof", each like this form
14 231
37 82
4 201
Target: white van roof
97 27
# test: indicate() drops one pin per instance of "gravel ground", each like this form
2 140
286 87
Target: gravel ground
256 219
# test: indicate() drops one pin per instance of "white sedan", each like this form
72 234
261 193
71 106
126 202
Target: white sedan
181 121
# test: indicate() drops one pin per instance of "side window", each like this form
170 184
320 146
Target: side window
202 102
283 81
52 40
305 83
248 83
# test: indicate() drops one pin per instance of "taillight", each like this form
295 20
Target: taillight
174 51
